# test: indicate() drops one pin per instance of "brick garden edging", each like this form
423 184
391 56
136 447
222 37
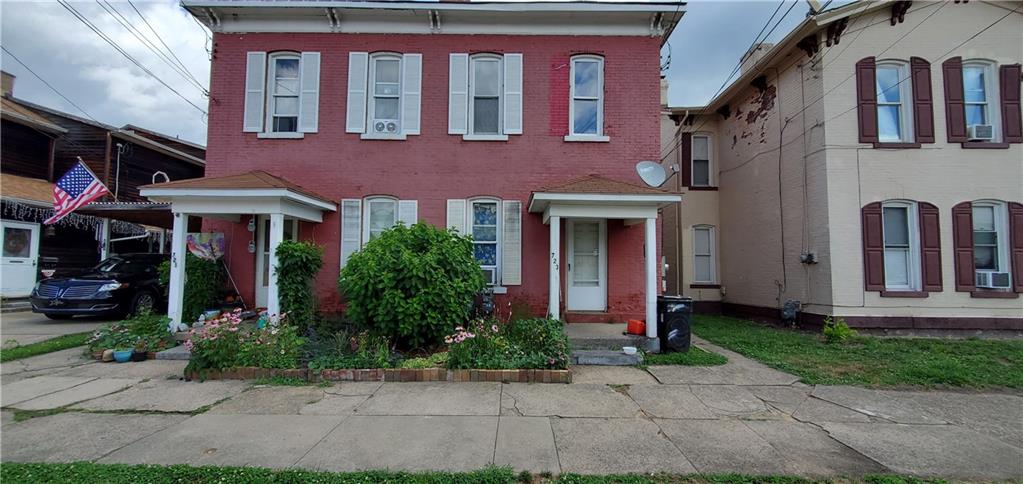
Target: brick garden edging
391 375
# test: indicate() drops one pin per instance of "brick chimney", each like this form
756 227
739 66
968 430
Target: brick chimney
7 84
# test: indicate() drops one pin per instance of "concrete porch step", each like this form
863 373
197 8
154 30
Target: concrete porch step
604 358
176 353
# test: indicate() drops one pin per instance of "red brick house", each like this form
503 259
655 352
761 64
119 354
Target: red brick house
518 123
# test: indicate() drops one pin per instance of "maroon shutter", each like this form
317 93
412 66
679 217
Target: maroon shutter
866 99
962 242
873 247
686 151
923 103
955 109
1016 244
1012 124
930 247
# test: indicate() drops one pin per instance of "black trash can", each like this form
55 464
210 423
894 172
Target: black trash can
674 320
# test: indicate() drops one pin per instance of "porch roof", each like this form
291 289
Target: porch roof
599 190
35 191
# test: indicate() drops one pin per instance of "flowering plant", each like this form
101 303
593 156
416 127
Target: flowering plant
276 345
215 344
486 344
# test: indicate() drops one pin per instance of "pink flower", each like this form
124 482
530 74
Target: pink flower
494 328
448 340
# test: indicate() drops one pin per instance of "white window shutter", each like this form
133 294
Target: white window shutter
511 244
358 67
255 86
309 96
458 94
456 215
513 94
351 228
408 212
411 95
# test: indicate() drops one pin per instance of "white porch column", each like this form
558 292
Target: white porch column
176 291
554 310
651 277
273 300
104 239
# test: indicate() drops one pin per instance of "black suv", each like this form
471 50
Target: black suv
121 285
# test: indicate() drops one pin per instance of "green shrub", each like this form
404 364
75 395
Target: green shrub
297 265
276 346
412 284
215 345
359 351
536 344
836 331
203 281
143 332
436 360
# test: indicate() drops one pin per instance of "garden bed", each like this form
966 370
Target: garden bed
387 375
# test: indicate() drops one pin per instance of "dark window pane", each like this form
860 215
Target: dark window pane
984 258
486 115
701 172
896 230
285 125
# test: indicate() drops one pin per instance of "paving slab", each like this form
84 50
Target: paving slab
582 400
269 400
669 401
738 371
354 388
86 391
932 450
729 400
616 446
724 446
30 388
784 398
876 404
6 417
411 443
815 410
434 398
334 405
274 441
809 451
167 396
151 369
527 444
997 415
611 375
71 437
55 361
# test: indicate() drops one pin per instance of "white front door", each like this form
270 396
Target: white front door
587 265
20 255
263 254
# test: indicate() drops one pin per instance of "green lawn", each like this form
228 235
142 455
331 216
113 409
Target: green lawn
86 473
48 346
694 357
871 361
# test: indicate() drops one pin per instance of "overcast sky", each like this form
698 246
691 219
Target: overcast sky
82 66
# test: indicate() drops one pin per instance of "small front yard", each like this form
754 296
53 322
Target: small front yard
871 361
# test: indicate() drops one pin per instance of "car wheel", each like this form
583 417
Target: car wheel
58 317
144 301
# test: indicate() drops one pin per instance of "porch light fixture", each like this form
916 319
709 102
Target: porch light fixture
252 246
653 174
252 224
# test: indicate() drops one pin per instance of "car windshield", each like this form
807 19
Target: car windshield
117 264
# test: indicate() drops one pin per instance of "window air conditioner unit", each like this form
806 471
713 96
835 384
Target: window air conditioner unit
980 132
385 126
993 280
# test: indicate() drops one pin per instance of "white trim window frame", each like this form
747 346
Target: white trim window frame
578 97
283 93
901 245
703 157
991 233
381 92
894 102
374 210
704 257
486 95
485 229
981 100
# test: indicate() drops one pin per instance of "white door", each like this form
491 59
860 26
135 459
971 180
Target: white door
263 254
587 265
20 255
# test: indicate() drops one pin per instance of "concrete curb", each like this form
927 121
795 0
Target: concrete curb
389 375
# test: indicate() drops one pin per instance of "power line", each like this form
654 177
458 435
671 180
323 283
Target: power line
29 69
158 37
99 32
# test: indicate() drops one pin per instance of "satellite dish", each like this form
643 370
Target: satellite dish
652 173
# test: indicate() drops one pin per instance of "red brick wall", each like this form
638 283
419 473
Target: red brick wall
436 166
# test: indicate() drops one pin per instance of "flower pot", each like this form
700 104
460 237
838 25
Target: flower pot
139 356
122 356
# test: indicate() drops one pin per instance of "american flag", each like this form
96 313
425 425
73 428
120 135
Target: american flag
76 188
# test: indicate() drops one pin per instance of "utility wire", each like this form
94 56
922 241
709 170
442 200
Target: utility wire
29 69
99 32
158 37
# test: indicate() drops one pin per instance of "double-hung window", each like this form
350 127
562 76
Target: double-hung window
701 161
485 87
990 247
483 220
894 102
283 93
381 214
587 103
980 96
703 254
385 101
901 246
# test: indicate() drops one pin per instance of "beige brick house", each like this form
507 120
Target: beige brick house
896 197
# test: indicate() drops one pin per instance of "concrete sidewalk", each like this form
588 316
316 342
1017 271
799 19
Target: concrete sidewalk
27 328
740 417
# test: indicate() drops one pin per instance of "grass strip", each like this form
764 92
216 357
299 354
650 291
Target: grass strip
48 346
694 357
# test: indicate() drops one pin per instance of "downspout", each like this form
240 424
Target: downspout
49 159
106 161
680 233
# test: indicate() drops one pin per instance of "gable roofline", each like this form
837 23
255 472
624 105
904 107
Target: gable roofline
13 111
132 127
